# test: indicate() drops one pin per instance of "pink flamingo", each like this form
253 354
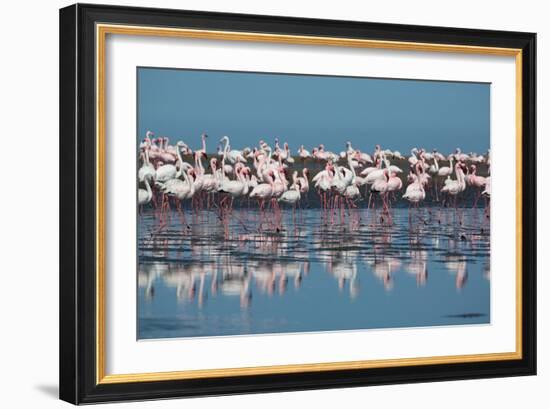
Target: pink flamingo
478 182
394 183
154 150
167 153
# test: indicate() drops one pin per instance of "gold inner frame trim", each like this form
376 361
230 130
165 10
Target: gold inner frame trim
101 33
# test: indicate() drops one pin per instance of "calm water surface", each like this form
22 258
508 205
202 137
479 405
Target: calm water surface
204 277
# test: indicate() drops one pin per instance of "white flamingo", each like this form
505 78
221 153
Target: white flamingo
445 171
303 181
352 191
415 192
211 181
145 195
180 189
147 170
303 153
291 196
235 188
458 185
413 159
263 191
232 156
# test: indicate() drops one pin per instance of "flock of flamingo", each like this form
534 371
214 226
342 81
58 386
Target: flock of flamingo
271 176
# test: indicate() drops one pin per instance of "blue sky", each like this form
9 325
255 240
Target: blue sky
309 110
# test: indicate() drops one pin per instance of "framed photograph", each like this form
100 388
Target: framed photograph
257 203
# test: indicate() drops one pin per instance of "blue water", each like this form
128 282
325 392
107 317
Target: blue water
311 272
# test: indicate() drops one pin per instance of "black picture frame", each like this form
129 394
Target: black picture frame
78 360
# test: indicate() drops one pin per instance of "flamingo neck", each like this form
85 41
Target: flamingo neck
147 155
189 183
226 147
148 188
350 164
460 176
178 152
199 163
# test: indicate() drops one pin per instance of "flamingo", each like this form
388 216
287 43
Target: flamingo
323 181
288 157
203 141
394 182
397 155
380 187
235 188
363 157
476 181
147 139
233 156
445 171
211 181
413 159
291 196
154 150
303 181
179 189
264 190
147 170
377 152
352 191
456 186
303 153
415 192
459 156
368 170
375 174
167 153
165 173
145 195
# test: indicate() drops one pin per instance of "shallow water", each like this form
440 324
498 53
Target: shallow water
311 271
